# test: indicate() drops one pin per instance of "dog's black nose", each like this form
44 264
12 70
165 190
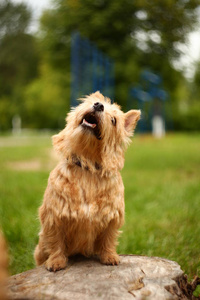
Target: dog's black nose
98 106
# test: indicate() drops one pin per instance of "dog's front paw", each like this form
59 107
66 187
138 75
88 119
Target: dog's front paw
109 259
54 264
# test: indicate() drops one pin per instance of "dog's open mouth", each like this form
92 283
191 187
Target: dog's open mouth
91 122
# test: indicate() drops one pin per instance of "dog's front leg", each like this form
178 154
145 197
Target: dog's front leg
106 243
56 261
56 249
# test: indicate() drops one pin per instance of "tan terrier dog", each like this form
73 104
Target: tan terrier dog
83 205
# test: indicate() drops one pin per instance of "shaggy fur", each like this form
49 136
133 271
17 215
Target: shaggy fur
83 205
3 266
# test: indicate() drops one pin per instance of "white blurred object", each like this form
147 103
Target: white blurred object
158 127
16 124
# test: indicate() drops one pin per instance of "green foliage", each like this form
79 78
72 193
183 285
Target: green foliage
169 21
14 18
188 120
197 291
161 179
137 34
186 108
196 83
18 59
18 62
6 113
46 100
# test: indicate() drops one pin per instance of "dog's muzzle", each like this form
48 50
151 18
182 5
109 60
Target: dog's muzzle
91 121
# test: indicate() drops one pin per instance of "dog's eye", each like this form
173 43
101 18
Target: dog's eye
113 120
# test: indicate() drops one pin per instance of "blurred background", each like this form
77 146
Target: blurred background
143 54
43 67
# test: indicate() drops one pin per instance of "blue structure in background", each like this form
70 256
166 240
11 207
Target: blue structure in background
151 99
91 70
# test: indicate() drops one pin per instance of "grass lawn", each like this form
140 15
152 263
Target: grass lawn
162 195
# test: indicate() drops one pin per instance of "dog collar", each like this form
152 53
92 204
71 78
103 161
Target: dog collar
78 163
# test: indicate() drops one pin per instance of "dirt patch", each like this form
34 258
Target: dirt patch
30 165
36 164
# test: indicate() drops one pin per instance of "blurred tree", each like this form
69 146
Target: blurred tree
14 18
18 58
137 34
187 107
45 100
18 62
197 80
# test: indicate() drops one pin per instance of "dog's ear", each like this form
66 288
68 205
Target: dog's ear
131 119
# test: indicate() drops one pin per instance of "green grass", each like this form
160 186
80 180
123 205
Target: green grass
21 192
162 192
162 195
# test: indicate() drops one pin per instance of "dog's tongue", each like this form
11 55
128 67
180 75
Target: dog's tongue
89 124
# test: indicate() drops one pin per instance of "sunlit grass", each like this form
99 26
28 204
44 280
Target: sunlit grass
162 195
162 191
21 192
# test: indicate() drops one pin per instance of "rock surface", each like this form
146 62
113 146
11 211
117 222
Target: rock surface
136 277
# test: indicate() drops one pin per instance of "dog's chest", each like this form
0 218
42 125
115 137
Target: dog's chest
96 208
95 200
89 198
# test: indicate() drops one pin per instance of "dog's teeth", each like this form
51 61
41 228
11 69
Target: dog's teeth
89 124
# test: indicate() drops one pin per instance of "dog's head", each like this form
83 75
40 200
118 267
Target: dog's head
97 132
